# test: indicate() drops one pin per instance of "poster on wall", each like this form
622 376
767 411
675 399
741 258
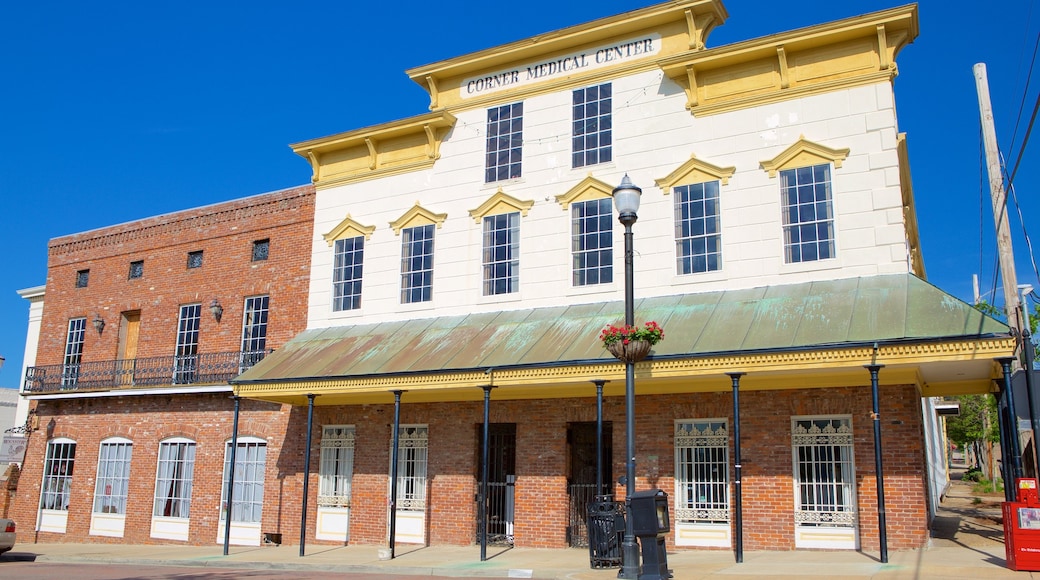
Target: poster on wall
12 449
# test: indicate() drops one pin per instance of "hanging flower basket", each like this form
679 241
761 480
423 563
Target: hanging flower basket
630 343
632 351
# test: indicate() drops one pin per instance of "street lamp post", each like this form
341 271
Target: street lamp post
626 201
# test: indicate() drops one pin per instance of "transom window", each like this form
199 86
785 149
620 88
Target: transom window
702 471
346 273
592 241
807 213
824 471
113 476
261 249
501 253
592 139
57 474
337 465
417 264
698 233
250 461
136 269
173 478
505 139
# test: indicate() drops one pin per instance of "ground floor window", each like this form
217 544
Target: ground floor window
702 471
412 454
57 474
823 471
113 476
174 477
337 465
248 493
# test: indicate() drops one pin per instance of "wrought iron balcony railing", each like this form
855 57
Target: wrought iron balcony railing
160 371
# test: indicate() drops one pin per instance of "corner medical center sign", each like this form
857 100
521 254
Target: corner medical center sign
575 62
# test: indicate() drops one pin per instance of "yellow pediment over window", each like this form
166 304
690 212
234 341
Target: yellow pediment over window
417 216
587 189
695 171
804 153
500 203
348 228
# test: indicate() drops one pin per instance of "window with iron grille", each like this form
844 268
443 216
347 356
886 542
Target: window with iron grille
337 465
195 259
136 270
346 273
591 116
413 444
823 471
417 264
250 461
173 478
82 278
261 249
592 242
73 352
113 476
807 213
698 233
702 470
505 139
501 255
57 474
186 354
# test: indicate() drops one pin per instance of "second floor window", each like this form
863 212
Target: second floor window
73 351
805 197
505 139
501 254
593 137
186 355
254 324
417 264
592 241
346 273
698 234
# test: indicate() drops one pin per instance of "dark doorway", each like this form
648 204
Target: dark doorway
501 481
582 486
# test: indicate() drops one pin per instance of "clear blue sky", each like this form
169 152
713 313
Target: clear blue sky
114 111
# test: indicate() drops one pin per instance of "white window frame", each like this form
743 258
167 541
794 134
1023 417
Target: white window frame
112 485
702 451
592 123
501 254
505 140
412 464
829 498
592 242
417 263
336 467
186 354
347 272
58 466
73 352
808 216
698 227
250 468
174 477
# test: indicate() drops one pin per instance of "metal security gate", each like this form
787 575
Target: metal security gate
582 486
501 481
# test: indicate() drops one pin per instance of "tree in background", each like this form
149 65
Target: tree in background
976 431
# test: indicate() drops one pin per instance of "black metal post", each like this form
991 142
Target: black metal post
393 471
738 506
629 547
879 470
231 477
306 473
599 435
1029 354
1014 470
485 457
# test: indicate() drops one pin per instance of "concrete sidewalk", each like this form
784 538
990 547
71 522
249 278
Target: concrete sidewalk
943 559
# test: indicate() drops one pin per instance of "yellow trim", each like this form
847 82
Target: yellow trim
377 151
837 55
804 153
906 186
500 203
695 171
587 189
348 228
417 216
765 371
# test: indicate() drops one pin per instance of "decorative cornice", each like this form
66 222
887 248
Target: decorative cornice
695 171
804 153
500 203
417 216
586 189
348 228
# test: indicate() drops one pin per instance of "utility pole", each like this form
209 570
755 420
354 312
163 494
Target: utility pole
999 197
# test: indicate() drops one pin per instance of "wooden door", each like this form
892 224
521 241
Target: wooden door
129 329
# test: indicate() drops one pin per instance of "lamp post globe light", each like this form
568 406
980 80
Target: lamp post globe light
626 201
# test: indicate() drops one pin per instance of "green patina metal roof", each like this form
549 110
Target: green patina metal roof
853 311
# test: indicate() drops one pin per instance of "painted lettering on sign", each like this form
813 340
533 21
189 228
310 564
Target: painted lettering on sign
575 62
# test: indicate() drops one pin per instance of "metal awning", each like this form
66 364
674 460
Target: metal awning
820 332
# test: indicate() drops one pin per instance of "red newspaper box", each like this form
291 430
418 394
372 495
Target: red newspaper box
1022 527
